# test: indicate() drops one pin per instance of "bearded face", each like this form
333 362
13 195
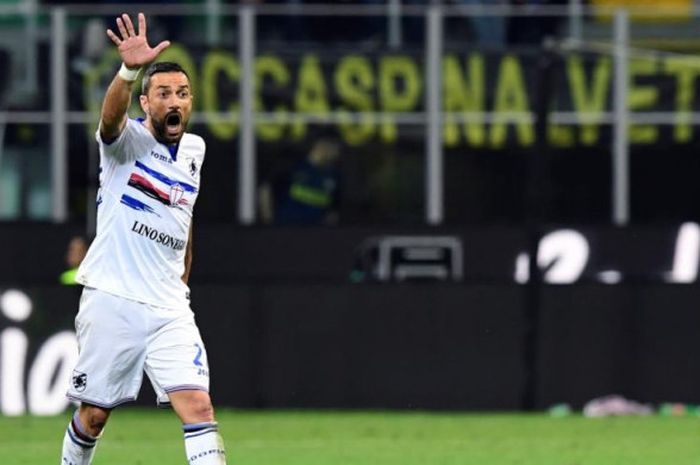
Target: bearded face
168 106
168 129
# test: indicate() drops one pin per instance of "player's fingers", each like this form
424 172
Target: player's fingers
129 24
122 29
142 24
162 46
114 37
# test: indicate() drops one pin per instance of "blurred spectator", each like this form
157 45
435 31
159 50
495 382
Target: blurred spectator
321 28
171 27
533 29
308 193
487 30
77 248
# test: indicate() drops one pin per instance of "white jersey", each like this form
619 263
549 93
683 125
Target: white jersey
144 211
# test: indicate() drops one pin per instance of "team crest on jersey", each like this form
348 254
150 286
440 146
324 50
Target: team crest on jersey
79 381
192 165
176 193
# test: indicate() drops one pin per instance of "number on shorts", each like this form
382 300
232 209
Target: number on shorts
198 358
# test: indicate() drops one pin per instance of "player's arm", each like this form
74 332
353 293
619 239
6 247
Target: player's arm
114 108
188 258
135 53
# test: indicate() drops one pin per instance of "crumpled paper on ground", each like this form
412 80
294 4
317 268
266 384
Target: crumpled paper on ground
615 405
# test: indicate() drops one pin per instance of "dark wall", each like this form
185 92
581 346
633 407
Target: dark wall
453 346
33 253
396 346
640 341
285 326
428 345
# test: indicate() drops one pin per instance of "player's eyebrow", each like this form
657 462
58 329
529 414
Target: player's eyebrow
163 86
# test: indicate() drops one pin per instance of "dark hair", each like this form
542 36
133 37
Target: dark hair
159 67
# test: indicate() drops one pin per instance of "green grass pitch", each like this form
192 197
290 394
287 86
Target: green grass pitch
152 437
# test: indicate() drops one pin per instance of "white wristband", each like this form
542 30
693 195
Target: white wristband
127 74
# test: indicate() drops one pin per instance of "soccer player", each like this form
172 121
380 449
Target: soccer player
134 312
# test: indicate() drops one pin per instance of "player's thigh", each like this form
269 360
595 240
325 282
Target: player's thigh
176 359
112 334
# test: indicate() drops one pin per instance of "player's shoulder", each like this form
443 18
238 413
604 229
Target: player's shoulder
194 144
132 126
136 125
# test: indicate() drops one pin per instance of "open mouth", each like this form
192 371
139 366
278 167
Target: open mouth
173 123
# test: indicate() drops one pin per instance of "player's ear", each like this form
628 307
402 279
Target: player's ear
143 100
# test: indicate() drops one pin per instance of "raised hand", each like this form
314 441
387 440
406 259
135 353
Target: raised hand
133 48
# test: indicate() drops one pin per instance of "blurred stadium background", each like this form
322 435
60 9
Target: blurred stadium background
378 176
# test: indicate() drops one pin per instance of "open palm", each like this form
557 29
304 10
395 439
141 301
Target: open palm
133 47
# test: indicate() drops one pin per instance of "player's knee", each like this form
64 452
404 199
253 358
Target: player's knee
193 406
203 410
96 422
93 419
200 409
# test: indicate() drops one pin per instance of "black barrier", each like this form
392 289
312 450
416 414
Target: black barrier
401 347
326 346
638 341
37 348
293 319
432 346
34 253
587 342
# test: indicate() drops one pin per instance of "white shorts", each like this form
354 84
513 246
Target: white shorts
119 339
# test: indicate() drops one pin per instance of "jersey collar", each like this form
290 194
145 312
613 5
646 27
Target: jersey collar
172 149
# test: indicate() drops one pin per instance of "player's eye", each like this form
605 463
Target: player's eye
183 94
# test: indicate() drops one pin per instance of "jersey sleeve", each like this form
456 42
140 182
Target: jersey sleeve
132 143
202 148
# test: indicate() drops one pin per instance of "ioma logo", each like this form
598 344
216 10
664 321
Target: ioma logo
161 157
